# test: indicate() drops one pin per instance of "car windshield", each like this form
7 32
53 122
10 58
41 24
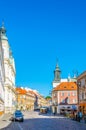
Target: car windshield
43 107
18 113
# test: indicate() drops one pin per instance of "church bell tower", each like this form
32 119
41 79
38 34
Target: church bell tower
57 73
57 78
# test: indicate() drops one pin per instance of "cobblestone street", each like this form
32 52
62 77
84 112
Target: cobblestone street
36 121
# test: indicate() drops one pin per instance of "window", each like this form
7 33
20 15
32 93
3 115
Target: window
54 94
74 100
85 81
82 95
54 102
62 93
85 94
79 84
72 87
74 93
23 96
68 93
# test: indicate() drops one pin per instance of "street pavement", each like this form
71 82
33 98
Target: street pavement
37 121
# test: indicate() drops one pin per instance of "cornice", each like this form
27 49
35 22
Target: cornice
1 100
82 75
6 43
9 80
10 87
7 61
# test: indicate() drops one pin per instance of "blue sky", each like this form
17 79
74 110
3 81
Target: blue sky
39 32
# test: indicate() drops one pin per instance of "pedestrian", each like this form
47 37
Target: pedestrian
73 115
76 116
85 118
53 111
79 116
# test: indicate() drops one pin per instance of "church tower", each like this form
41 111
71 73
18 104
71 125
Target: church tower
57 77
2 80
57 74
9 67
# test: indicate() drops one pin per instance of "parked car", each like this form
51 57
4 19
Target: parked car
37 109
43 109
17 116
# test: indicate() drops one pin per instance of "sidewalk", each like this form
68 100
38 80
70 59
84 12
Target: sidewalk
58 115
81 121
4 120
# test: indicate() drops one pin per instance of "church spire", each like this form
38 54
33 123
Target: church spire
3 32
57 73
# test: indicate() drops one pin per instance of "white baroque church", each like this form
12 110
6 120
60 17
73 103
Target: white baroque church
9 73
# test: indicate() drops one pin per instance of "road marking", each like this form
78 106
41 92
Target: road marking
20 126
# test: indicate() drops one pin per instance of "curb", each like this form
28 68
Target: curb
1 117
5 116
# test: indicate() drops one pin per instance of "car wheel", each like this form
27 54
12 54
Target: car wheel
22 120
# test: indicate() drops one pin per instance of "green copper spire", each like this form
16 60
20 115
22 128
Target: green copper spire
57 74
57 67
3 32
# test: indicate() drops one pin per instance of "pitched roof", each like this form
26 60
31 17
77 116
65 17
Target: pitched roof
81 75
66 86
31 92
21 91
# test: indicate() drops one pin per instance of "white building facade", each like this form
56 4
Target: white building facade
2 79
9 66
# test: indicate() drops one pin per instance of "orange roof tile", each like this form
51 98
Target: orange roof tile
66 86
21 91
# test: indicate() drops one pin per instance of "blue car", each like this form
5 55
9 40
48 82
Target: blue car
18 116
